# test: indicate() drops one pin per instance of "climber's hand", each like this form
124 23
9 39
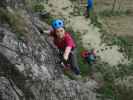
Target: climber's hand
65 57
67 52
46 31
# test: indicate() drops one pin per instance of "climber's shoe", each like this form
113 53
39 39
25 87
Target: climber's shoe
67 68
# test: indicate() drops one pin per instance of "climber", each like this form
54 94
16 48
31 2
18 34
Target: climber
89 56
89 8
65 44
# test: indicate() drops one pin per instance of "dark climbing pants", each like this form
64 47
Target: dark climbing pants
72 60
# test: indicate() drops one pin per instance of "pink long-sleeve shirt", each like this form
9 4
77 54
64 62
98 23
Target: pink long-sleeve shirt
66 41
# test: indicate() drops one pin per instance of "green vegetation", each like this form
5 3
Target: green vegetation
38 7
124 42
110 90
109 13
49 19
70 74
94 20
15 20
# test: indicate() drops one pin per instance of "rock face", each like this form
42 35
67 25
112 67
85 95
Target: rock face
9 91
12 3
29 66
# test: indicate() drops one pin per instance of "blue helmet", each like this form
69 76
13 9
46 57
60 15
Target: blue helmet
57 24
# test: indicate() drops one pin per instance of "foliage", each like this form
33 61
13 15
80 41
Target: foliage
110 90
16 20
125 43
109 13
48 20
38 7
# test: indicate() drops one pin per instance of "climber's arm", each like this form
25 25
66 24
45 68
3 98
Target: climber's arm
67 52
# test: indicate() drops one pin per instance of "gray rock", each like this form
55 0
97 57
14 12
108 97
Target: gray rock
8 90
32 65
